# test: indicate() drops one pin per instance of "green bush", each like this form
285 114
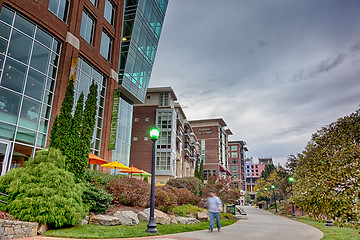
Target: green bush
98 178
96 198
185 210
224 215
44 192
192 184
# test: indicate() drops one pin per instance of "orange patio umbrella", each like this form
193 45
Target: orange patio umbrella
131 170
93 159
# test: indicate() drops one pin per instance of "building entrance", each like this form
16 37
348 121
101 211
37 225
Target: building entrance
4 155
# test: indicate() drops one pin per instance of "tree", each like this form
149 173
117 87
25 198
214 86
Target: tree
196 171
201 171
224 189
327 177
43 191
291 163
89 116
61 127
267 171
75 150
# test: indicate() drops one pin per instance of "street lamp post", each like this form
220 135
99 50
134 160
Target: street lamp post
291 179
267 207
273 188
151 227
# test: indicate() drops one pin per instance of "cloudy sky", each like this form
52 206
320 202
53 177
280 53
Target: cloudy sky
275 70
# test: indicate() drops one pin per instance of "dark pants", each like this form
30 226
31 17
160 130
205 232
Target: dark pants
214 215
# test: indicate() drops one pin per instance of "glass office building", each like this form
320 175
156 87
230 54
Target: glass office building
143 20
29 59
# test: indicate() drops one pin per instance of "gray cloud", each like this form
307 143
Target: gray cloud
321 67
276 71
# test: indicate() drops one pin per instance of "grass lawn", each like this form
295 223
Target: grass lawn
97 231
330 233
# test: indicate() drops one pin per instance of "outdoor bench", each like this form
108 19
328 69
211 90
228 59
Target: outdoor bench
242 212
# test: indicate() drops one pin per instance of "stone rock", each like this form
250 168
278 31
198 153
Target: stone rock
173 219
203 216
84 221
143 217
184 220
128 218
42 228
160 217
104 220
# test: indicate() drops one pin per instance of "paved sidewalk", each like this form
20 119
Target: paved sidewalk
260 225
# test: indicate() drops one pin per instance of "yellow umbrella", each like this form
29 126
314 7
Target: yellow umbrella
115 165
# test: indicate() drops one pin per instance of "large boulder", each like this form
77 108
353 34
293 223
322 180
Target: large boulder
143 217
184 220
128 218
203 216
160 217
173 219
104 220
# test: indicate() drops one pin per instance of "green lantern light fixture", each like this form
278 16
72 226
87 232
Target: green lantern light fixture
291 179
272 186
154 133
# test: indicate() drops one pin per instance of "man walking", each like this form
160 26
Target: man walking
214 205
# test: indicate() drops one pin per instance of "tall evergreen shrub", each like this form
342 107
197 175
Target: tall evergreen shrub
61 127
43 191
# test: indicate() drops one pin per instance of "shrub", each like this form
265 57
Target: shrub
224 215
129 192
96 198
185 210
164 198
192 184
43 191
98 178
146 179
184 196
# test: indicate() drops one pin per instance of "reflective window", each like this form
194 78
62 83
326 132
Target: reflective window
84 76
234 148
106 45
121 152
140 36
87 27
109 12
29 59
163 161
234 168
234 154
94 2
60 8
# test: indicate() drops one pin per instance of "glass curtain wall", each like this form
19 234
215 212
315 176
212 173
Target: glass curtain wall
29 59
86 73
123 132
142 25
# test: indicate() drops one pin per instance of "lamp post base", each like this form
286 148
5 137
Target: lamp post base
151 227
293 215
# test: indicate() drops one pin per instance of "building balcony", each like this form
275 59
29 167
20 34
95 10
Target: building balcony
187 148
192 157
178 156
179 136
187 133
192 145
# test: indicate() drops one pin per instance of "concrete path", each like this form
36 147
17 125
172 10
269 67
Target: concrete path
261 225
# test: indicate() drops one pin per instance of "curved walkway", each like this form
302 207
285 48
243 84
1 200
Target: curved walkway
260 225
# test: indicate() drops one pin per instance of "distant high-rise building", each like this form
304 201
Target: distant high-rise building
177 148
237 163
212 135
45 42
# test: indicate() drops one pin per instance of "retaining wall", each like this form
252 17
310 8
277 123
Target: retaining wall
15 229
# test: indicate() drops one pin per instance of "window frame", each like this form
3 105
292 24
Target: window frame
89 16
109 50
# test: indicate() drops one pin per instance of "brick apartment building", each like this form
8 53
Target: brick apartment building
237 163
43 42
213 138
176 151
